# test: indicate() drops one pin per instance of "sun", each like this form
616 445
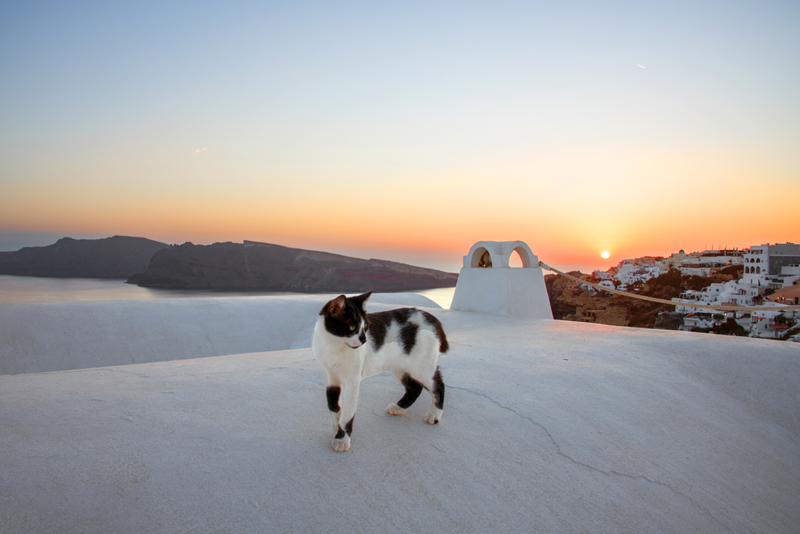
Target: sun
605 254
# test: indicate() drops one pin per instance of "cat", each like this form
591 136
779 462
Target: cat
352 345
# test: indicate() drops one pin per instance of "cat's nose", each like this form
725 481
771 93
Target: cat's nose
363 337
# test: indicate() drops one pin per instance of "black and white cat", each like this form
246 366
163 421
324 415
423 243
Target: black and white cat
352 345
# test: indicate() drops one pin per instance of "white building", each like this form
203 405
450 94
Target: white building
697 320
764 266
488 284
607 284
672 262
709 261
636 270
772 322
603 275
630 272
732 293
790 274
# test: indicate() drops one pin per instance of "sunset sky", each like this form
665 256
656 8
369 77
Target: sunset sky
404 130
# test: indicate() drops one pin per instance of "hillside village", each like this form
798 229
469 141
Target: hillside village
764 276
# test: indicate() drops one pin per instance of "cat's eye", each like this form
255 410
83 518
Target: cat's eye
352 327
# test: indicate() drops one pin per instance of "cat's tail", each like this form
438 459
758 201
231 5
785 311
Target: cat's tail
444 346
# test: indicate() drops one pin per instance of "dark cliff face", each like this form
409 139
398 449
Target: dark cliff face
555 287
113 257
265 267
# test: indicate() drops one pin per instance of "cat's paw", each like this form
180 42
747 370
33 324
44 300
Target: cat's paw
341 445
432 418
394 409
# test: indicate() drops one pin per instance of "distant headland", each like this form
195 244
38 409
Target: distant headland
112 257
222 266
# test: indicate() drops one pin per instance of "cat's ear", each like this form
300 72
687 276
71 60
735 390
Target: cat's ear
361 299
336 306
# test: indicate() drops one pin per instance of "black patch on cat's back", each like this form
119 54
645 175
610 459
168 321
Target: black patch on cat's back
401 315
408 337
378 324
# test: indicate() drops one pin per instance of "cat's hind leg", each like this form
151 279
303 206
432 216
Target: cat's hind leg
437 395
413 389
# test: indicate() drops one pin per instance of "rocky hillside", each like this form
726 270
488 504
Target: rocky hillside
266 267
113 257
570 303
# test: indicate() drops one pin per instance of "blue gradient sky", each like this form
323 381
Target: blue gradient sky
410 129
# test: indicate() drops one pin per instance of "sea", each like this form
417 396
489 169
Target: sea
40 289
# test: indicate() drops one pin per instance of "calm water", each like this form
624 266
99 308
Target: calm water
35 289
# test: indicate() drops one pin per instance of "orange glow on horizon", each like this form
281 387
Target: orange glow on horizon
325 226
551 201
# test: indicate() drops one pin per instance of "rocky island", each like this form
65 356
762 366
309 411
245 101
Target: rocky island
112 257
266 267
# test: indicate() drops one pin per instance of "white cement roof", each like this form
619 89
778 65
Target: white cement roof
549 426
56 336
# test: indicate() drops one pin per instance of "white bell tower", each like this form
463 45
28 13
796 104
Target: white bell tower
487 284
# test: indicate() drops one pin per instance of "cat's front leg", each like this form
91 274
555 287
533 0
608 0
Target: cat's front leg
333 392
349 401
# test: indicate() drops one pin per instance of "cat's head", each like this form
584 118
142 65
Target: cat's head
346 318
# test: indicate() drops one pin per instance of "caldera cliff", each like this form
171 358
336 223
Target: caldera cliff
268 267
112 257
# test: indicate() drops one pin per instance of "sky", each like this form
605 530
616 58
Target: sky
404 131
